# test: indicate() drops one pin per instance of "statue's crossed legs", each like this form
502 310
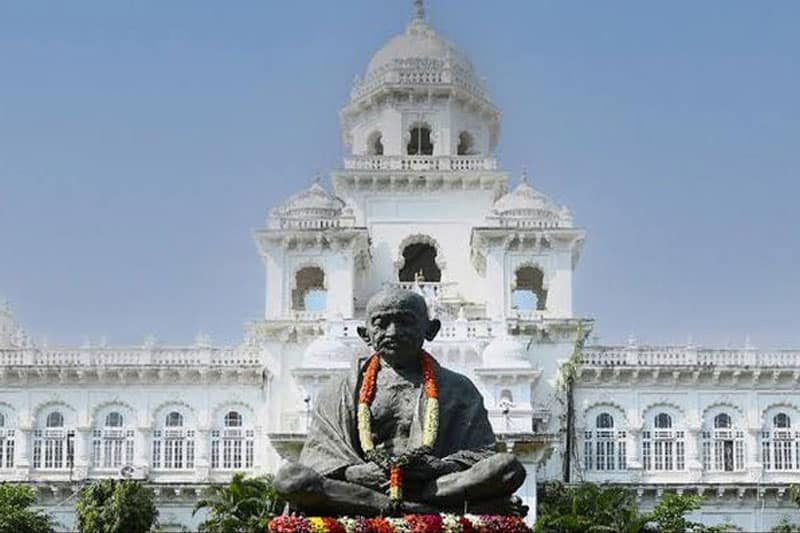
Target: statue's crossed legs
486 486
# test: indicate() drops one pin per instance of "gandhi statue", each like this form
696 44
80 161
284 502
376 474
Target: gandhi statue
420 422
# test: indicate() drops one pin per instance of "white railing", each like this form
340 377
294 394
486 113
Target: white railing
527 314
687 356
404 75
136 356
414 163
307 316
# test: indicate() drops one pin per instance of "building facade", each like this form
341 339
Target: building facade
420 203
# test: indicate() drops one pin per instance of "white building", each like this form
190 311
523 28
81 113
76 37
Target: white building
421 203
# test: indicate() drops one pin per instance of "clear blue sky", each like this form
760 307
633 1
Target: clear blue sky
142 142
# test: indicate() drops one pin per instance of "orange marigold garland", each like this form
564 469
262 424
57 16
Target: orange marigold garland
430 421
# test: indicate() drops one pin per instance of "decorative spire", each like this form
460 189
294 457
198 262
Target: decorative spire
419 10
525 174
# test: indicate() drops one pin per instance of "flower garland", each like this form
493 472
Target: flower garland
433 523
430 424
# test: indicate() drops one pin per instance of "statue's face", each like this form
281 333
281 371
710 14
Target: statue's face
397 324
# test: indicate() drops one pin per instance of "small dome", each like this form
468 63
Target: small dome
527 203
327 352
314 202
419 45
506 352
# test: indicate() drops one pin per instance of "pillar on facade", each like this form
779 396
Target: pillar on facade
693 464
202 461
141 450
81 459
753 460
22 447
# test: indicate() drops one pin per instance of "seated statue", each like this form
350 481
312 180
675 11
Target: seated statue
402 434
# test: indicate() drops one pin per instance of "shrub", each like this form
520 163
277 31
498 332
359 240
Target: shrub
15 511
116 506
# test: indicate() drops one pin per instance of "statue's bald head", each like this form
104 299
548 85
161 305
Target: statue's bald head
393 300
397 325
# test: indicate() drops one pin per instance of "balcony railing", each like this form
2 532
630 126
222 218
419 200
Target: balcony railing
652 356
131 356
414 163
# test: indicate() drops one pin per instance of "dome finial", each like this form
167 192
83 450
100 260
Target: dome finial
525 174
419 10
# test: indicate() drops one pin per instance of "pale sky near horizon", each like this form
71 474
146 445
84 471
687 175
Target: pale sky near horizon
142 142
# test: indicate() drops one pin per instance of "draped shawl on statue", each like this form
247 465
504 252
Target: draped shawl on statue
464 437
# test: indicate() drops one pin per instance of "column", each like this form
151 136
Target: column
202 462
141 450
693 464
752 443
22 450
81 459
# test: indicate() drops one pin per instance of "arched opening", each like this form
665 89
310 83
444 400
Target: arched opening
233 444
174 420
420 143
6 444
53 445
375 143
114 420
663 447
723 445
112 443
55 420
309 293
605 447
528 292
604 421
420 264
233 420
466 144
780 446
173 443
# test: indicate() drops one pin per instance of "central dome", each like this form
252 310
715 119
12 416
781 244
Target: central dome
419 44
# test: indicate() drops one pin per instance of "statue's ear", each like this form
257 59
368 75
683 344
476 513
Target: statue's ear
433 328
362 332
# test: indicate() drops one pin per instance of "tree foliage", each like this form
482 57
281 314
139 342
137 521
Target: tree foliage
15 511
243 505
596 509
588 508
116 506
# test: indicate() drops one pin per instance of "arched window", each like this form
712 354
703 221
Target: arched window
112 443
375 143
528 292
232 446
420 264
663 447
55 420
723 446
173 445
420 142
309 293
466 144
780 446
604 447
53 444
6 444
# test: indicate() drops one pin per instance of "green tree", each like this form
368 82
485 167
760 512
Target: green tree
588 508
669 515
785 526
116 506
243 505
16 514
